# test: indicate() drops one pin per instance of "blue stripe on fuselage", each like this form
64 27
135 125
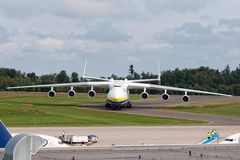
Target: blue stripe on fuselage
118 103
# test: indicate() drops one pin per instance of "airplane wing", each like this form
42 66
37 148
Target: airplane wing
77 84
161 87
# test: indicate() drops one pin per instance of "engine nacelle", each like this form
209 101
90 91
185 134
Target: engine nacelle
185 98
165 96
91 93
51 93
144 95
71 93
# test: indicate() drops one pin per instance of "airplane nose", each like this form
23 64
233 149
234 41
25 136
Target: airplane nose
117 93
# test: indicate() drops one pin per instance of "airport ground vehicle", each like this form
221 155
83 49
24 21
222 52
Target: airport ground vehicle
92 138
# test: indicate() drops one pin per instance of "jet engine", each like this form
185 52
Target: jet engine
165 96
185 98
71 93
144 95
91 93
51 93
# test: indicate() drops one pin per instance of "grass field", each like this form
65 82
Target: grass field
227 108
31 109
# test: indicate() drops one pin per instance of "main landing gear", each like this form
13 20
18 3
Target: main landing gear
118 106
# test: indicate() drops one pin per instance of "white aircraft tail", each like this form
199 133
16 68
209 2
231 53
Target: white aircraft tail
159 74
84 69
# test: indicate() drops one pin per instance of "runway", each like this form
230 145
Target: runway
212 119
156 103
158 107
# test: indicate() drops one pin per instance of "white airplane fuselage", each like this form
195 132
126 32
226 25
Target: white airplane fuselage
232 139
118 96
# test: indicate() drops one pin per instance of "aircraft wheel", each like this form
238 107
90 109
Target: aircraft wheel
107 105
129 105
118 108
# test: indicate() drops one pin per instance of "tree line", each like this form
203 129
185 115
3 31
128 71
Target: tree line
201 78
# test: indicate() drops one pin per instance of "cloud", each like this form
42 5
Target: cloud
10 51
189 35
182 33
230 22
50 44
155 46
105 32
158 6
132 59
4 34
199 44
25 8
71 9
9 48
87 8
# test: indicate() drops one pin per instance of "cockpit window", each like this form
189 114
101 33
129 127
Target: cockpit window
116 85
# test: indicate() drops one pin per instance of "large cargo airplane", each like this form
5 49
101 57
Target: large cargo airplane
49 141
118 94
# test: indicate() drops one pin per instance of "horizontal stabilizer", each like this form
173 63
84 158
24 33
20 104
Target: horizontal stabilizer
95 78
143 80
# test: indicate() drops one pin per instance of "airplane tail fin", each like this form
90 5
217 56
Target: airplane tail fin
159 75
84 70
5 135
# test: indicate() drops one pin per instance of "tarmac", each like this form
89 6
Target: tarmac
158 107
174 152
147 142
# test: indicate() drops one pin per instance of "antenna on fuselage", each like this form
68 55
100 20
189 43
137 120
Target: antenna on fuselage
159 74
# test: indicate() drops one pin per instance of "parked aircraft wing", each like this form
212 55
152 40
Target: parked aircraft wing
77 84
161 87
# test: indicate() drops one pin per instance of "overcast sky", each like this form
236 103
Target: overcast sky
49 36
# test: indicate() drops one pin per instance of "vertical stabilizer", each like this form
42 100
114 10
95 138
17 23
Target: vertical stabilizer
84 70
5 135
159 74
